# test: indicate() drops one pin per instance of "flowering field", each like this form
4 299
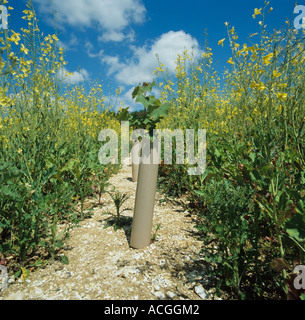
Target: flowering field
250 200
249 203
49 144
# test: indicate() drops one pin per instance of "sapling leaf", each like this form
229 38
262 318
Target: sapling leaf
143 100
162 111
135 92
123 115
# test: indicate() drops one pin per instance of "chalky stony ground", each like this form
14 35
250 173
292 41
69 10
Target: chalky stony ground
102 265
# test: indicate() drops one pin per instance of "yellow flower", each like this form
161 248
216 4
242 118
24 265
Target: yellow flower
220 42
252 49
253 34
30 14
25 30
230 61
55 37
256 12
282 95
261 86
267 59
24 49
15 38
276 74
253 85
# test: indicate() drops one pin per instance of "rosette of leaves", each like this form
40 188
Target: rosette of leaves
153 111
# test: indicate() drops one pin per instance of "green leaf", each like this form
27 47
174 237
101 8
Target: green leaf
135 92
58 244
70 165
143 100
146 121
141 89
162 111
219 229
295 227
152 108
148 86
123 115
64 259
49 164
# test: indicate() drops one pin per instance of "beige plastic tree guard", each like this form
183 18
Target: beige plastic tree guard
135 155
145 199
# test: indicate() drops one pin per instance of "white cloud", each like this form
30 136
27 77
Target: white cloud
114 65
73 77
112 16
144 61
112 36
116 36
69 45
89 47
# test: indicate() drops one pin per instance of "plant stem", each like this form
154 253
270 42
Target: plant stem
279 239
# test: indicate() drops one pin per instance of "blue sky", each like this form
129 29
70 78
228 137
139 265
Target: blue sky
115 41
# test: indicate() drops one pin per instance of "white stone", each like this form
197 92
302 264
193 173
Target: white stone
201 292
157 288
171 294
16 296
38 292
159 295
162 263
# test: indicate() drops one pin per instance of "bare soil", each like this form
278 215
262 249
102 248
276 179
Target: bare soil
102 265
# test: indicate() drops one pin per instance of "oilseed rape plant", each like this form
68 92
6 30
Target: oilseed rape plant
48 144
251 197
249 203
